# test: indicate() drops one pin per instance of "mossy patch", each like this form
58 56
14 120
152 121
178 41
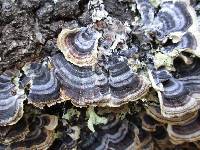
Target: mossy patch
94 119
71 113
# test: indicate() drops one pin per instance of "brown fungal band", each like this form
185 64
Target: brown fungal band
14 133
148 122
155 112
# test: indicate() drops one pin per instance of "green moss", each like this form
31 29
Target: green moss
155 3
94 119
58 135
71 113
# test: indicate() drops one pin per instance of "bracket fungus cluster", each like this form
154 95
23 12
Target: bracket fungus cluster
149 66
86 86
30 132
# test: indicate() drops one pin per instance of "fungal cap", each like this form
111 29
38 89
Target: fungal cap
11 99
188 132
44 86
79 45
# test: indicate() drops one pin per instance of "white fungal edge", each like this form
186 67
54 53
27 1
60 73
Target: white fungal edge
158 87
175 120
194 28
168 112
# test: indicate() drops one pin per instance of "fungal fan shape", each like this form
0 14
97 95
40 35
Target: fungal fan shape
114 135
172 17
89 75
79 45
176 99
44 86
11 99
85 86
40 135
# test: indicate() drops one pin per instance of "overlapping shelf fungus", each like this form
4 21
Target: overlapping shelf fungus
140 78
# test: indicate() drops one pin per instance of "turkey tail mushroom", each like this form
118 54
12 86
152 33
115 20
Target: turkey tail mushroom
80 84
88 86
79 45
146 11
11 99
149 123
188 132
174 17
187 65
44 86
155 112
14 133
125 85
114 135
175 98
41 133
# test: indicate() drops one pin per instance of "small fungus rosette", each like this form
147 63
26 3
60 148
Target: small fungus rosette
149 123
173 19
79 45
14 133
